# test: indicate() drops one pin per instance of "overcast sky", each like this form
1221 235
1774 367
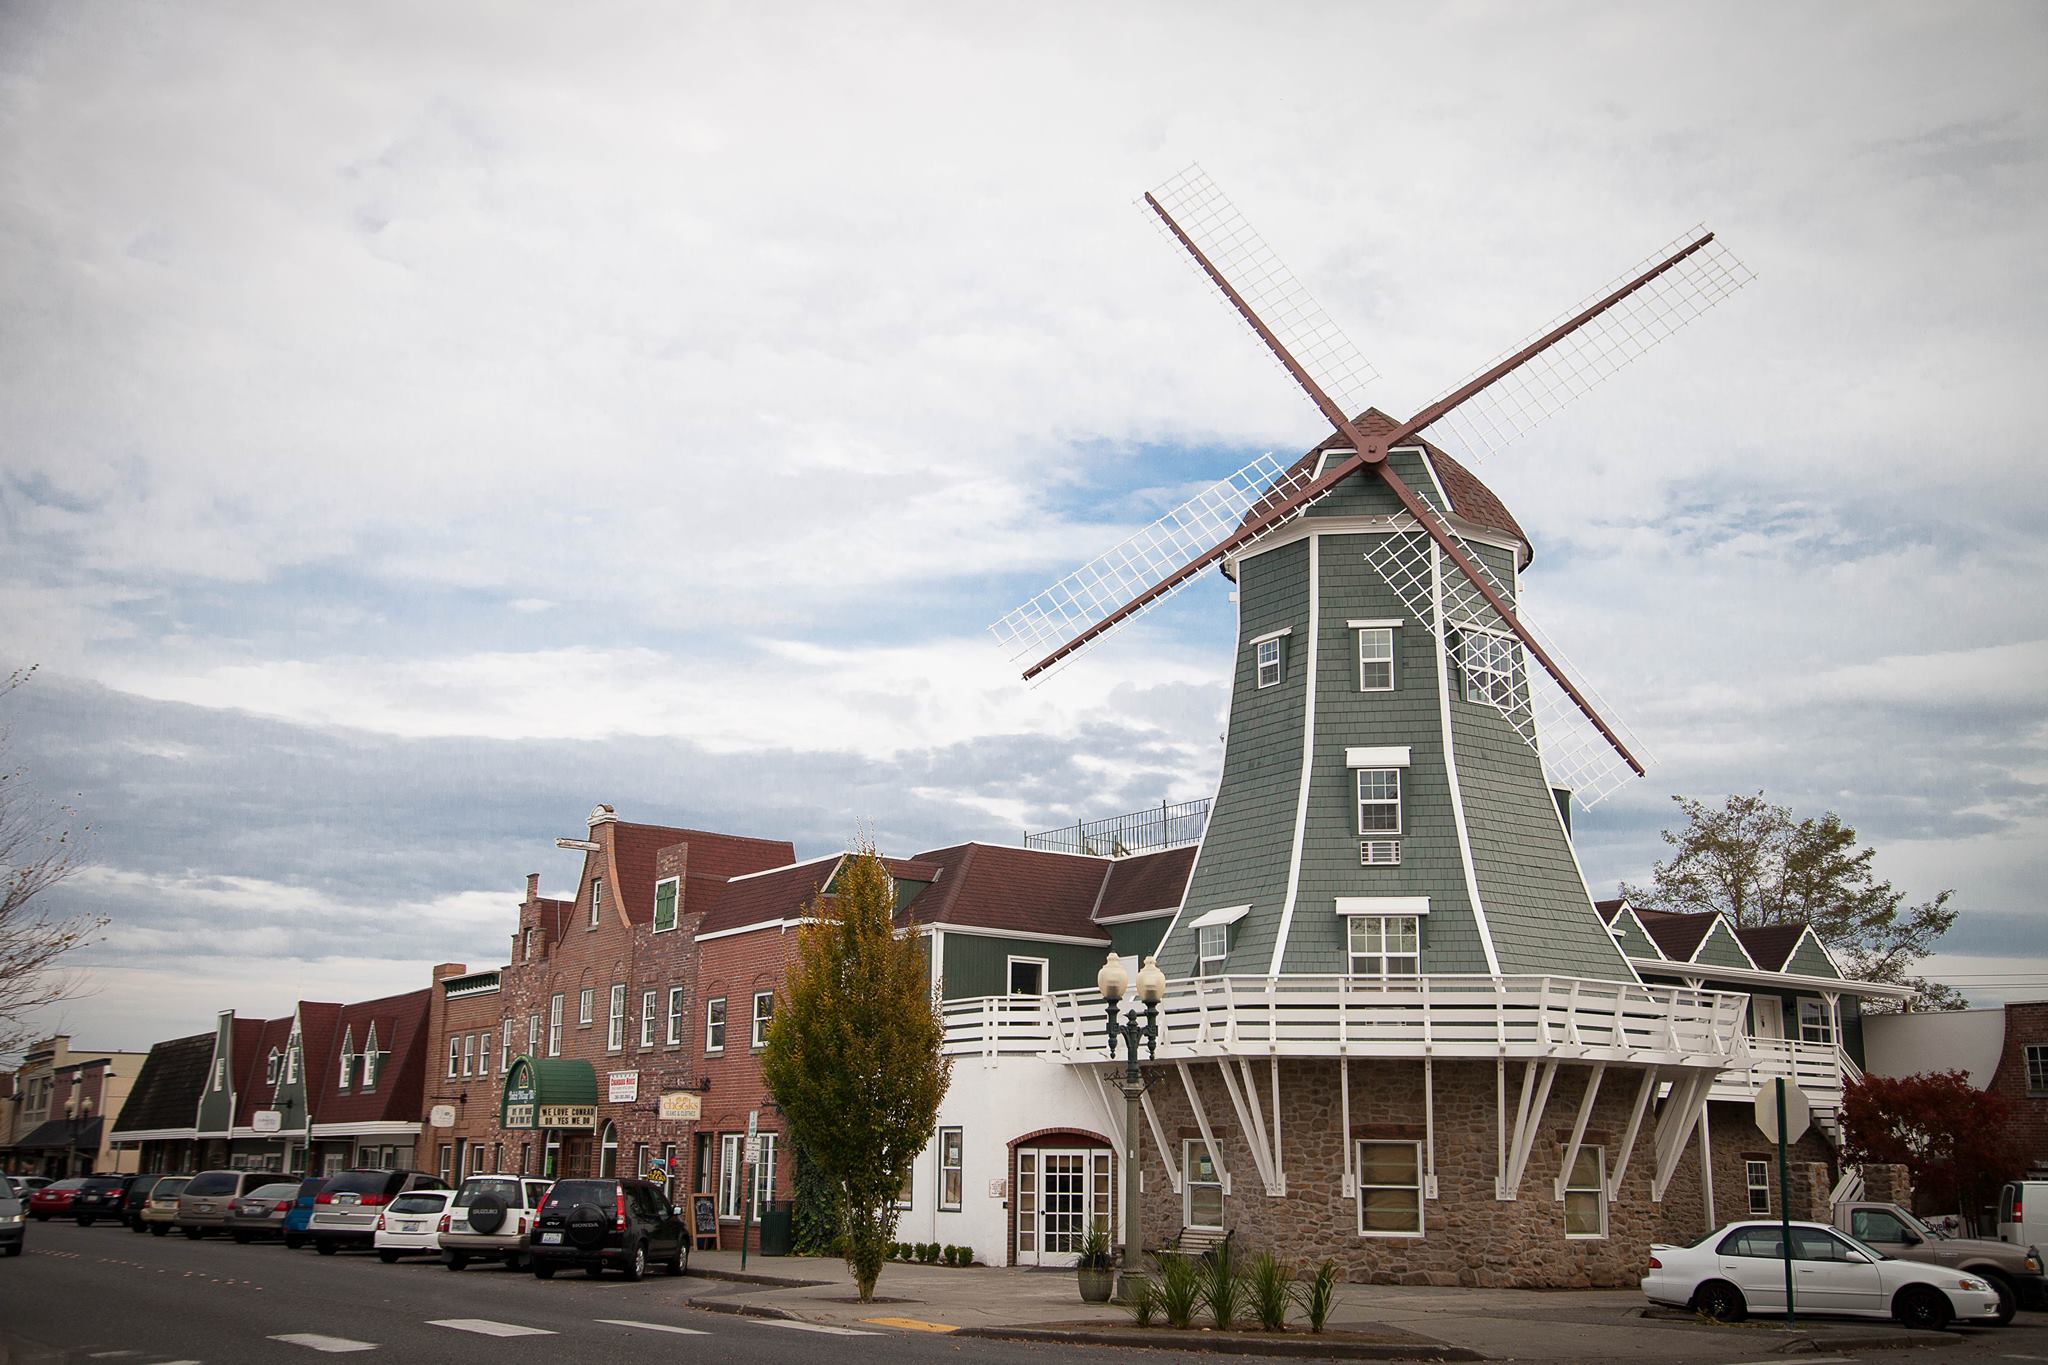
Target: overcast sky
419 423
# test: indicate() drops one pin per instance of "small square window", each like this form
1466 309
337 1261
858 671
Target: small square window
1389 1189
1490 667
1212 946
1027 976
1271 667
1376 659
1379 800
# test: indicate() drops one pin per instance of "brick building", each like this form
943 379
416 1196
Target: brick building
60 1102
2001 1048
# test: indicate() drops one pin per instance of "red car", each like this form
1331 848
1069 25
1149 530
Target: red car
54 1200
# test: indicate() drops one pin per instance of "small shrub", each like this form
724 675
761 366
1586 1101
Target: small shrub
1319 1295
1223 1289
946 1254
1180 1289
963 1256
1096 1250
1271 1284
1141 1300
930 1253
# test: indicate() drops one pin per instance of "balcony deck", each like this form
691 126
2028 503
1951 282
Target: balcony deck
1521 1017
1819 1069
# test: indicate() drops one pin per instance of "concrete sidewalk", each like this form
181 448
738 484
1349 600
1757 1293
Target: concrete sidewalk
1503 1323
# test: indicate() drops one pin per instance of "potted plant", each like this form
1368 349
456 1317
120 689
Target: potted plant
1097 1265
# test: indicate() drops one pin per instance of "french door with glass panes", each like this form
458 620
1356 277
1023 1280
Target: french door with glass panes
1060 1191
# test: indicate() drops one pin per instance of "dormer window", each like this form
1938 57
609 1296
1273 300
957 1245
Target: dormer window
348 1059
270 1067
596 900
1212 939
370 1055
291 1060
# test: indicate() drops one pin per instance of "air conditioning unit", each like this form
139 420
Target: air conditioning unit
1379 852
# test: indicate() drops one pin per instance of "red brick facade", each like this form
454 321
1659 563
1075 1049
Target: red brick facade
2026 1026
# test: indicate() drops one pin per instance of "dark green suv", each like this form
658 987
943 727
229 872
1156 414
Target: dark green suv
626 1224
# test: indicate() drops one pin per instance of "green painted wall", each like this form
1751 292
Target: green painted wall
1721 948
974 966
217 1107
1634 942
1139 937
1809 960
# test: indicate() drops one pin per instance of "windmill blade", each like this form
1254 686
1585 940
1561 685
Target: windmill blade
1576 754
1147 568
1263 292
1532 381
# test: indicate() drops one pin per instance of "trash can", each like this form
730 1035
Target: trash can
776 1217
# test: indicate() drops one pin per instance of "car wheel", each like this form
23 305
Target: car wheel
1720 1301
636 1264
455 1260
543 1271
193 1234
159 1229
388 1257
243 1239
678 1262
325 1248
1922 1306
137 1225
2008 1297
594 1270
293 1241
11 1249
40 1217
84 1222
514 1261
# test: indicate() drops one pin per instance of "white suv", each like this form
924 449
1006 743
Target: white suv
489 1219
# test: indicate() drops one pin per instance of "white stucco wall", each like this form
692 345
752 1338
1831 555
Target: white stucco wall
1940 1040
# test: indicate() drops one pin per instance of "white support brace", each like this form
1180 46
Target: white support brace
1187 1080
1251 1125
1350 1190
1674 1127
1112 1117
1628 1137
1428 1125
1167 1156
1536 1082
1279 1152
1571 1149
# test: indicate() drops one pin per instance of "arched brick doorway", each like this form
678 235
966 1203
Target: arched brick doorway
1061 1179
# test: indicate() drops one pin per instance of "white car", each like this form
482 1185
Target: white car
411 1225
490 1218
1740 1269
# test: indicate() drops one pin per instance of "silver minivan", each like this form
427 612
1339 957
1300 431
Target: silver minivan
208 1198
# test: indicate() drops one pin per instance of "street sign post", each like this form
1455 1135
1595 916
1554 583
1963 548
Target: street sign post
1783 1114
748 1158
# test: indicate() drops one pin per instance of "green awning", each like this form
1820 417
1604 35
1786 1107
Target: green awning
548 1092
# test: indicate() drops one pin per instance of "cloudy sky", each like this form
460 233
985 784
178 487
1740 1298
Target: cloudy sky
419 423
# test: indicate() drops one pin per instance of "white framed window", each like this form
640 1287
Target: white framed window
731 1148
370 1056
764 1174
1815 1023
2037 1069
596 900
505 1048
1379 800
291 1060
1212 947
555 1025
1026 975
468 1053
1488 663
454 1056
608 1150
952 1156
586 1006
270 1068
526 948
764 1015
665 904
483 1053
1272 665
1201 1186
533 1035
615 1020
1385 945
675 1015
714 1026
1756 1177
647 1018
1390 1189
447 1166
1376 659
1585 1195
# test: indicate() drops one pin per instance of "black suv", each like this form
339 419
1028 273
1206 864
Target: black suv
101 1196
596 1223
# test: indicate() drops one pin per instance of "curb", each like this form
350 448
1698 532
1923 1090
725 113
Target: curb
743 1277
1299 1349
740 1310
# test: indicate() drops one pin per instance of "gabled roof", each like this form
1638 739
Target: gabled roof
759 898
1677 936
252 1091
1771 945
1146 883
400 1021
998 887
166 1090
1609 909
1471 500
711 855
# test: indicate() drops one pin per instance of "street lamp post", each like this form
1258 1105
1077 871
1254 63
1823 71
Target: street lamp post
1113 982
79 1112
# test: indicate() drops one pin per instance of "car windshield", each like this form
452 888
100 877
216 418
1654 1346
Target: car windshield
170 1189
602 1193
506 1190
215 1182
311 1186
1932 1234
419 1202
279 1191
100 1183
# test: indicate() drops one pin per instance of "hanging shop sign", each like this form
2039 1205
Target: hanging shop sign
682 1106
623 1087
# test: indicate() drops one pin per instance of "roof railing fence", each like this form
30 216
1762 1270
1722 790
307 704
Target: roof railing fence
1166 825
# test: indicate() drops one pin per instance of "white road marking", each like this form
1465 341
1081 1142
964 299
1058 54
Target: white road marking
813 1327
484 1327
656 1327
1804 1360
110 1355
332 1345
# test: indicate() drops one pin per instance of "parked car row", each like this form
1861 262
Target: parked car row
522 1222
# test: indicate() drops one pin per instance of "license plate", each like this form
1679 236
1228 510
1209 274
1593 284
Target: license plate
551 1238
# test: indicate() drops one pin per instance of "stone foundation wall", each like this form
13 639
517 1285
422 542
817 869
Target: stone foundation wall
1470 1237
1735 1141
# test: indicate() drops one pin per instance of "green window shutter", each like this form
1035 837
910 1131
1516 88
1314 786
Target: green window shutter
665 905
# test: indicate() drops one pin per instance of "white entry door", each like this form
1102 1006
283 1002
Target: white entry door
1060 1190
1767 1014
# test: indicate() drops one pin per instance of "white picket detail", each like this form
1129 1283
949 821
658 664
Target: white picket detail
1816 1068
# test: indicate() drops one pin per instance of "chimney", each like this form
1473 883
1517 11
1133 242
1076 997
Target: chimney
532 887
444 970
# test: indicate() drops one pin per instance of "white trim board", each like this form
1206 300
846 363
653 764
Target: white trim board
1381 623
1270 635
1378 756
1382 905
1229 914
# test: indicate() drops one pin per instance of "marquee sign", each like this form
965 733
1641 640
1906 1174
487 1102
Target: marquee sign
519 1107
582 1116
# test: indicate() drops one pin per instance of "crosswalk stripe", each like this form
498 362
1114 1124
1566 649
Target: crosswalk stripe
484 1327
656 1327
813 1327
331 1345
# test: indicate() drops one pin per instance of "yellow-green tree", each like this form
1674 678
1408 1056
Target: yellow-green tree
854 1055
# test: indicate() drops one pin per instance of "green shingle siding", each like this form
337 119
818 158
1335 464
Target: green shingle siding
1721 949
1808 960
1634 942
1139 937
975 965
217 1107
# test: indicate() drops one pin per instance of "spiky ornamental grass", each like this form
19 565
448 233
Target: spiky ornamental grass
854 1055
1272 1290
1180 1289
1224 1289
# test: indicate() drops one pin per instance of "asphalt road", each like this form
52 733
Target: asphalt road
105 1294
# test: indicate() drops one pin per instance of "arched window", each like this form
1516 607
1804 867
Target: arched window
608 1151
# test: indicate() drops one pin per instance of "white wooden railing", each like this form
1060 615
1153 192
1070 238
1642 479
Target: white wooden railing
1818 1069
1328 1016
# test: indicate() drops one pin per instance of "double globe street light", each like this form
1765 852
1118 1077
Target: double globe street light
1118 1025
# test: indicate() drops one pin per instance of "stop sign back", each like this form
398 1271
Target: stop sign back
1798 1113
